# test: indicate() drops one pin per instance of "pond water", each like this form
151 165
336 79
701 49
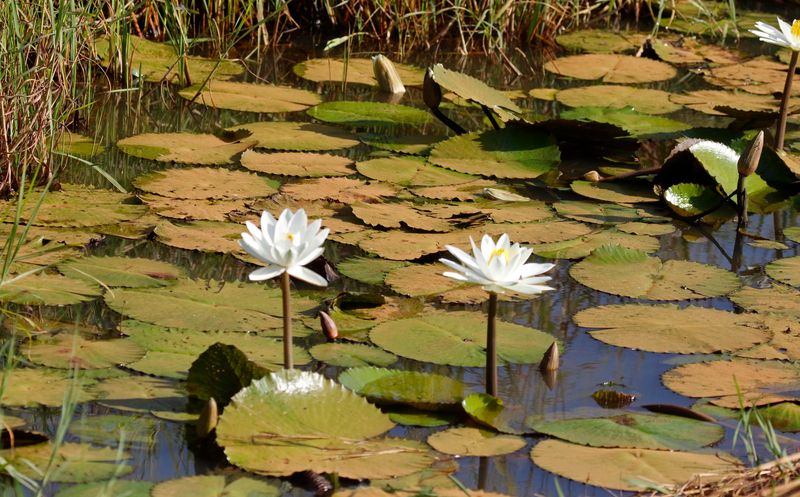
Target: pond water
587 364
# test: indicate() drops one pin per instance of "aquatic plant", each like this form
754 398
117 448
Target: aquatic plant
497 267
286 245
789 37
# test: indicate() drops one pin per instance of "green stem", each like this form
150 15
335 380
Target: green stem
288 360
741 201
491 347
787 92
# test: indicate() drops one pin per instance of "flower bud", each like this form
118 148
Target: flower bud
386 74
328 325
208 419
551 360
748 161
431 91
592 176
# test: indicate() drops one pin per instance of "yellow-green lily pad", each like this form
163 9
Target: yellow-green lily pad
250 97
611 68
475 442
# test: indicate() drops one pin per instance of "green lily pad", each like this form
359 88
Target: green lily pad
38 387
635 430
689 199
600 41
784 416
303 164
143 394
111 429
370 270
582 246
785 270
205 306
511 152
644 100
632 273
636 123
459 339
475 90
353 70
625 469
793 233
128 488
475 442
350 355
391 386
780 301
599 212
72 463
65 351
216 486
640 228
368 114
48 289
411 171
491 411
184 148
157 62
618 192
205 183
297 136
668 328
207 236
122 271
413 417
262 426
405 144
249 97
611 68
78 145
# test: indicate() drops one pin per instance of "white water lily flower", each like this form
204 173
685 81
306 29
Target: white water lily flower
285 245
498 267
788 36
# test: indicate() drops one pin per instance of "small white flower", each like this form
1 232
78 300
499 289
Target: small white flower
286 244
498 267
788 36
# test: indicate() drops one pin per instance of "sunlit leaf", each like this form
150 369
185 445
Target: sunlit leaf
185 148
250 97
351 355
368 114
38 387
216 486
279 135
65 351
122 271
48 289
72 462
353 70
303 164
611 68
391 386
600 41
785 270
474 442
205 183
644 100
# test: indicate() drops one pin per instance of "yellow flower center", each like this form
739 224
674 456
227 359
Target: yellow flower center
796 28
290 236
498 252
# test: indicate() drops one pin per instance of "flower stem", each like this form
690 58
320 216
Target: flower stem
491 347
288 360
787 91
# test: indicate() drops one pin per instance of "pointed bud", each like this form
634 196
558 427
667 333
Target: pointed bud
328 325
748 161
592 176
387 75
551 360
550 378
431 91
208 419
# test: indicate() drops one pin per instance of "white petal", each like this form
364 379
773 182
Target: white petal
455 276
531 289
266 273
462 256
309 256
487 246
307 275
532 269
467 273
254 248
299 222
535 280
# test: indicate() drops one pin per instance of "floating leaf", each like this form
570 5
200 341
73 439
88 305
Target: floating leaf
458 339
611 68
391 386
404 144
71 463
37 387
634 430
475 90
623 469
639 228
193 209
472 190
48 289
668 328
261 428
370 270
632 273
122 271
398 215
785 270
599 213
351 355
600 41
111 429
411 171
491 411
778 301
636 123
474 442
209 236
582 246
184 148
143 394
216 486
644 100
353 70
78 145
220 372
512 152
127 488
428 419
368 114
297 136
303 164
793 233
689 199
344 190
618 192
249 97
65 351
761 76
713 102
685 50
204 183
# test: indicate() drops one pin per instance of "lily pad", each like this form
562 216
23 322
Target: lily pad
684 50
491 411
785 270
778 301
193 209
303 164
370 270
249 97
475 442
636 123
624 469
511 152
397 215
38 387
220 372
65 351
184 148
78 145
611 68
689 199
411 171
48 289
793 233
208 236
404 144
599 212
644 100
368 114
760 76
635 430
600 41
472 190
391 386
584 245
344 190
414 417
261 428
350 355
632 273
459 339
72 462
713 102
205 183
111 429
640 228
122 271
142 394
216 486
278 135
128 488
668 328
353 70
618 192
475 90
